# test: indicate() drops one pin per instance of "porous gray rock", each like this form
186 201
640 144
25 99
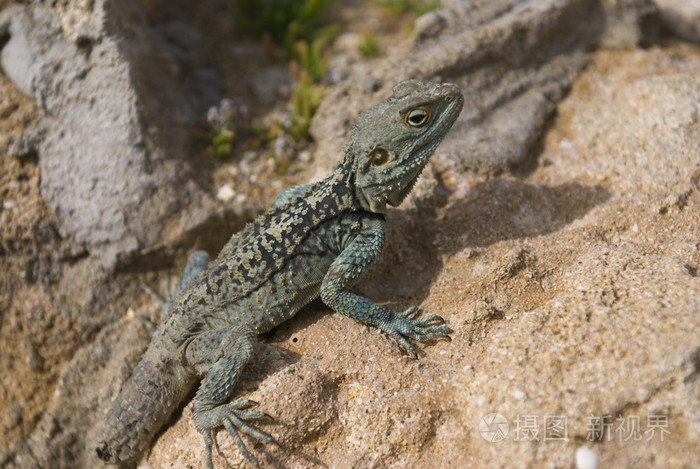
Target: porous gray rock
114 126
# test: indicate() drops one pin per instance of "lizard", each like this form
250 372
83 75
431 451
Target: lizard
317 240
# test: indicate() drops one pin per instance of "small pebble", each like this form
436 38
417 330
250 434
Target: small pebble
225 193
586 458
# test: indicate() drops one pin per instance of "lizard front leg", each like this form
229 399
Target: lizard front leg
348 267
219 356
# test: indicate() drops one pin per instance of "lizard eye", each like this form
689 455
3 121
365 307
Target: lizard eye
417 117
379 157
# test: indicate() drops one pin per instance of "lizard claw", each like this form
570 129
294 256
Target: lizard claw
233 417
405 326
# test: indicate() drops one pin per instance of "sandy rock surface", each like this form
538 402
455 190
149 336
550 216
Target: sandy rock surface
572 289
556 231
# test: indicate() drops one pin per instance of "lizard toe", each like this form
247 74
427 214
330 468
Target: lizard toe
404 327
408 312
232 430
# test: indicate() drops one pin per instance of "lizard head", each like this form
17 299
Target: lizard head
392 142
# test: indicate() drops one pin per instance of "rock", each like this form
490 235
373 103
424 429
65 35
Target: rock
682 17
513 60
273 85
570 279
230 113
629 24
110 107
27 143
225 193
586 458
574 303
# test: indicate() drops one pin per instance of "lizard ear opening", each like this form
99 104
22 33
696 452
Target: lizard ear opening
380 157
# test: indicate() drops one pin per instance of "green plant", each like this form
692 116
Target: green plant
368 45
311 58
281 164
308 67
285 21
305 100
262 135
415 7
220 142
295 25
323 35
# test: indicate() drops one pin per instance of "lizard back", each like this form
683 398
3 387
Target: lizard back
275 265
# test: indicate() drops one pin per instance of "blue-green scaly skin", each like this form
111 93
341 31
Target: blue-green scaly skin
318 239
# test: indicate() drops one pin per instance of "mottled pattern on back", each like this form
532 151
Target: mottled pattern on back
283 240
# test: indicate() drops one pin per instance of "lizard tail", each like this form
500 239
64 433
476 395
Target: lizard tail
144 404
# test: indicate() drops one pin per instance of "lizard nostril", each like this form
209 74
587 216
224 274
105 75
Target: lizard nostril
448 91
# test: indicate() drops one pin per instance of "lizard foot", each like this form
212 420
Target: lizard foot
163 302
233 418
196 264
404 325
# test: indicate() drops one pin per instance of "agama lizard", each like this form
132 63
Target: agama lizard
318 240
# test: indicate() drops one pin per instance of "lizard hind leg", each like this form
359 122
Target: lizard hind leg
196 264
220 355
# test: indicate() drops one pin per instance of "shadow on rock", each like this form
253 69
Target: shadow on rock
493 211
506 209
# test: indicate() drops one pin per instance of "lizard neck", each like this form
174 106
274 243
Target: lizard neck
344 175
341 183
